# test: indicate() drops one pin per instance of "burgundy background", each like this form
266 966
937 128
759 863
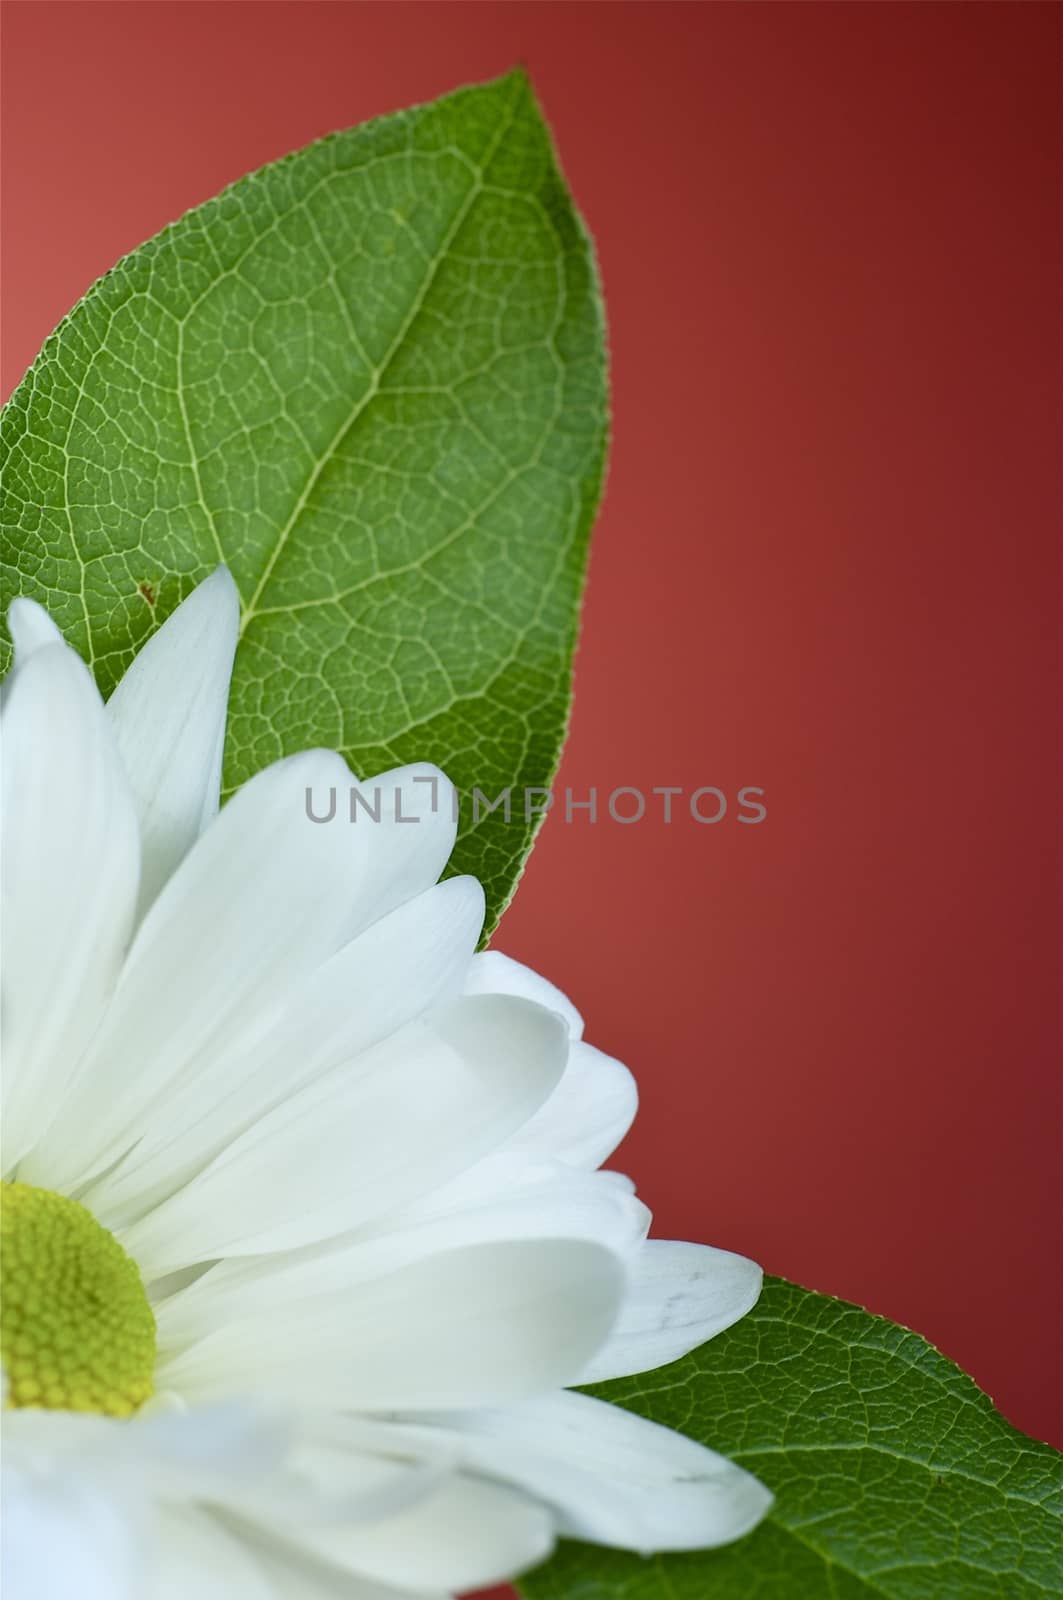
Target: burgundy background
827 565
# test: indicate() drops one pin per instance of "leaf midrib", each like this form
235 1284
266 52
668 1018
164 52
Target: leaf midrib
365 400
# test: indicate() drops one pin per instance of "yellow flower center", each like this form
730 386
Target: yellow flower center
76 1330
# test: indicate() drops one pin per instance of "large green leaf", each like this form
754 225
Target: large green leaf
371 379
894 1476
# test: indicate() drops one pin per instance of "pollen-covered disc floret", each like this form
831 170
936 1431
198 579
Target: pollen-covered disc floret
76 1330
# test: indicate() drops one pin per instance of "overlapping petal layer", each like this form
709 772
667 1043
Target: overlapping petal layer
355 1162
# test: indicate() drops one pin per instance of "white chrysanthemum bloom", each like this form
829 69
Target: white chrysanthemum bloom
304 1237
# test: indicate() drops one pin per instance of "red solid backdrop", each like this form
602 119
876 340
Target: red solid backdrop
826 565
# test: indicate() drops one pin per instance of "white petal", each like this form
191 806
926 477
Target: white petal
205 1453
364 1138
588 1113
523 1202
341 1471
394 971
70 863
102 1483
194 1555
466 1535
594 1105
295 1576
493 973
262 899
31 628
678 1296
211 1451
507 1196
63 1538
613 1477
168 716
410 814
472 1327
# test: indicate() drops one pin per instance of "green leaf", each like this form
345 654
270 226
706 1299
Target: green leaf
893 1474
371 379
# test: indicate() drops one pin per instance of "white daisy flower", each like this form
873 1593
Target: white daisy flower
304 1236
